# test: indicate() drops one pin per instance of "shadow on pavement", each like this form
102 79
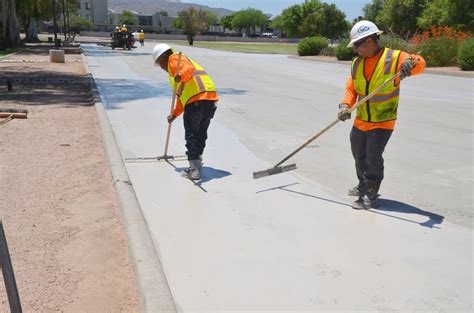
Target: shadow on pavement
231 91
119 91
387 205
384 205
207 173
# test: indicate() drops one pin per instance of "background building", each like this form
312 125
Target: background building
94 10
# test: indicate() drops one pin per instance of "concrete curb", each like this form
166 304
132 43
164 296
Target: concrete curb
437 71
154 291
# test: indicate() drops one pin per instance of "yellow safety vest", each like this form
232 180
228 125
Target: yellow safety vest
382 106
200 82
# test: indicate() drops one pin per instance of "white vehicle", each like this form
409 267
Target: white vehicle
269 35
136 35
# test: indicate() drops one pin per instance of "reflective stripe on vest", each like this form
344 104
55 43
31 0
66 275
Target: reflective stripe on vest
199 83
382 106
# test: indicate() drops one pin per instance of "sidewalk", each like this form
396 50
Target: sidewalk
59 206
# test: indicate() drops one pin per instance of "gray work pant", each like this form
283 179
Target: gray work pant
367 148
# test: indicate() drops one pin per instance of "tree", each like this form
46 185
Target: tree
277 23
128 18
313 18
248 19
330 22
31 11
226 21
372 10
192 21
292 18
455 13
399 16
212 18
9 26
79 23
162 13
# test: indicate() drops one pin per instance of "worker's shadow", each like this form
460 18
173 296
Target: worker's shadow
387 205
383 206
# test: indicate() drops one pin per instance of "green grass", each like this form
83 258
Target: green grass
9 50
263 47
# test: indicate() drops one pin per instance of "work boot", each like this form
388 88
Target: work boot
359 204
357 191
364 203
193 171
372 190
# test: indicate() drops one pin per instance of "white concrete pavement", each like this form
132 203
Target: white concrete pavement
291 242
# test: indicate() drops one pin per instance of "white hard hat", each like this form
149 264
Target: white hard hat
158 50
124 25
363 29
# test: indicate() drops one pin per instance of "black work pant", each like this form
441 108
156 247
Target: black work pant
367 148
197 117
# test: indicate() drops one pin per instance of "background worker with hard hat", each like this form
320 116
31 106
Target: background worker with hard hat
375 119
197 98
141 38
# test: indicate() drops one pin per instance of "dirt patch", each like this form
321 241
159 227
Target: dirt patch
58 203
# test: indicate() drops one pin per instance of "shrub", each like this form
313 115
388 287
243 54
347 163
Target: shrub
393 42
329 51
343 52
466 55
311 45
439 45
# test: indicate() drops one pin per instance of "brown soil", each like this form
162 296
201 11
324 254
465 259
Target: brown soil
58 203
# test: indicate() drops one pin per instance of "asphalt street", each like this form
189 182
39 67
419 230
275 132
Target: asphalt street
291 242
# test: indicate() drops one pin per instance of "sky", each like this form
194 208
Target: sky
352 8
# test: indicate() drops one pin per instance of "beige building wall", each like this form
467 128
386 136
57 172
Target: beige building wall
94 10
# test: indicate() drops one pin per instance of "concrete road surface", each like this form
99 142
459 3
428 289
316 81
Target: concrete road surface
291 242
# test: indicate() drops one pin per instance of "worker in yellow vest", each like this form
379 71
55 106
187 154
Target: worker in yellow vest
197 98
141 38
375 119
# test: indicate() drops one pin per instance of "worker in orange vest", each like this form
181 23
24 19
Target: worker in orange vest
375 119
197 98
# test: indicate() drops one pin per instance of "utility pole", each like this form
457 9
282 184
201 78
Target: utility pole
64 21
67 14
56 43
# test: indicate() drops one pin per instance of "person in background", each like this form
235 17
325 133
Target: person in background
141 37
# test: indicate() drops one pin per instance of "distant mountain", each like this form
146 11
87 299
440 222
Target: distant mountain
153 6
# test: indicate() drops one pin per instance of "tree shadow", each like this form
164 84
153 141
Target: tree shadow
33 87
119 91
112 53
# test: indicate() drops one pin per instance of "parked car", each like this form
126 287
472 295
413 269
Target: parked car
269 35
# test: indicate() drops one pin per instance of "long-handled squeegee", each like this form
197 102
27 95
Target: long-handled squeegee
277 169
165 156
